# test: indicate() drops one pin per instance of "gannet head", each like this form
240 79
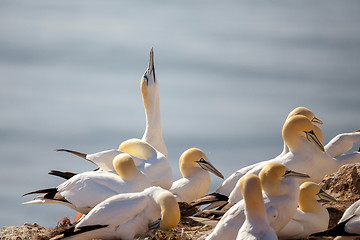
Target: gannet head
124 166
195 159
250 187
274 176
170 212
309 194
296 128
149 86
305 112
138 148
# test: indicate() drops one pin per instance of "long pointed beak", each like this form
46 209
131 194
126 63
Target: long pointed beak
311 137
324 196
151 65
290 173
315 120
209 167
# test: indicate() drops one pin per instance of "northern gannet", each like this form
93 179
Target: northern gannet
348 225
126 216
230 183
147 159
256 225
280 194
84 191
194 166
306 154
310 217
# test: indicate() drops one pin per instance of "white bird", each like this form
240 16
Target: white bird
147 159
84 191
310 217
280 194
256 225
126 216
306 155
150 94
194 166
230 183
311 116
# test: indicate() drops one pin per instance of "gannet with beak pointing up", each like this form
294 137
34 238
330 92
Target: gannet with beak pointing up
84 191
152 135
280 194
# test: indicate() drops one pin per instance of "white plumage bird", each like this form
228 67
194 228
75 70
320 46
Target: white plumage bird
126 216
84 191
256 225
280 194
194 166
310 217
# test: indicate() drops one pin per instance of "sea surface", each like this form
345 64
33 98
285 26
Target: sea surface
229 73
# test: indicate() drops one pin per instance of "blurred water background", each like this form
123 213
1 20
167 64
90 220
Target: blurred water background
229 73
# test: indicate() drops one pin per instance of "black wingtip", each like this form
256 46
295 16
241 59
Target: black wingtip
47 190
65 175
72 231
82 155
210 198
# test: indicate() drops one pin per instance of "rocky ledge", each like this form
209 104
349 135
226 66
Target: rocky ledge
344 185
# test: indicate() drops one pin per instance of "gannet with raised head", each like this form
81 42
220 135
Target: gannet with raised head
147 159
84 191
194 167
310 217
280 194
256 225
126 216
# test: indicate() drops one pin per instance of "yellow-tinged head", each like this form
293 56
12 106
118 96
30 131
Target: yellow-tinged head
295 129
271 177
138 148
124 166
170 212
305 112
310 192
250 187
148 84
194 159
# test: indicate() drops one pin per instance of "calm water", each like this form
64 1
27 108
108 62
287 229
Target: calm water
229 73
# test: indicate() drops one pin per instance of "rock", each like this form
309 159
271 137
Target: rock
28 231
344 185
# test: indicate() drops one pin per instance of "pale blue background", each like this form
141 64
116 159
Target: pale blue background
229 72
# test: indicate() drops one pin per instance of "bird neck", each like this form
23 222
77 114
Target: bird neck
153 130
309 204
170 212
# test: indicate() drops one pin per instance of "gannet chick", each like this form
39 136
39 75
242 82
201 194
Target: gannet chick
126 216
194 166
310 217
280 194
147 159
256 225
84 191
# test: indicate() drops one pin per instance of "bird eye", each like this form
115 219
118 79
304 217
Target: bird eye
147 80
